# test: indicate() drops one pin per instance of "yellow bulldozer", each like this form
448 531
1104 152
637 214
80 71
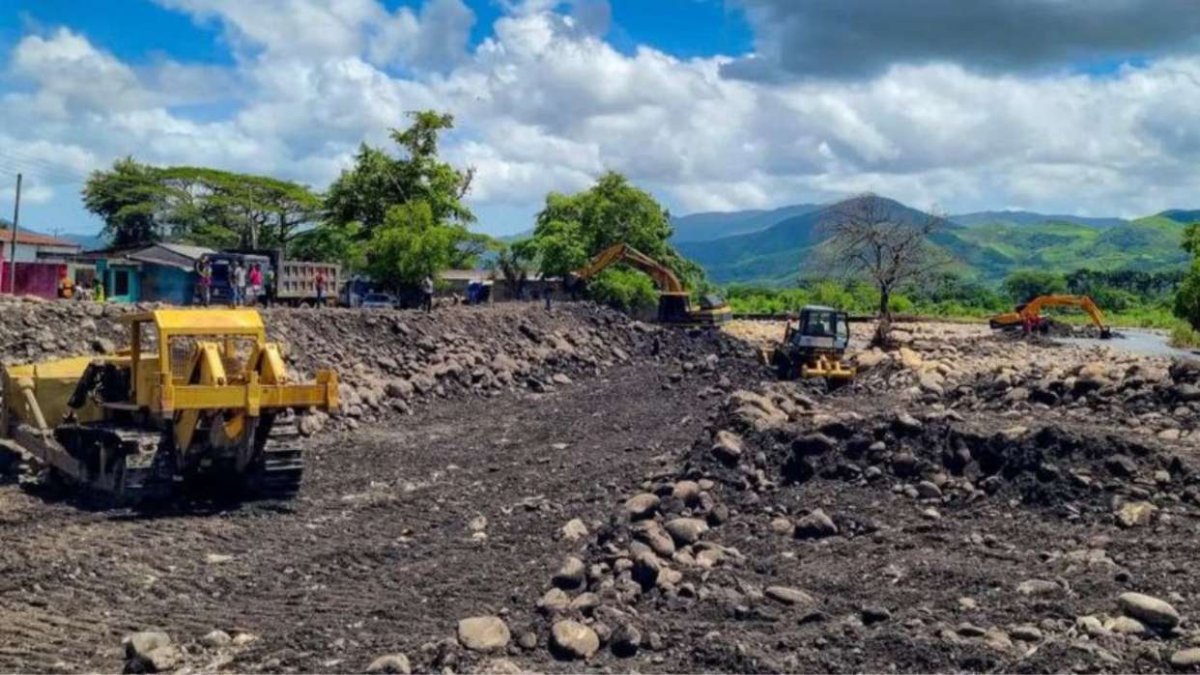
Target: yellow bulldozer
193 401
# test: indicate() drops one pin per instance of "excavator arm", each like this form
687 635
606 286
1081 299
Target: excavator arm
1033 309
665 279
1030 314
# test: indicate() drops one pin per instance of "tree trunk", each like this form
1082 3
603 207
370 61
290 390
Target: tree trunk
885 296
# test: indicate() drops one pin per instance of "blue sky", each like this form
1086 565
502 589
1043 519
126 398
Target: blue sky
1082 108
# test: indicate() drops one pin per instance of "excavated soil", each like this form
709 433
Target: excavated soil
910 528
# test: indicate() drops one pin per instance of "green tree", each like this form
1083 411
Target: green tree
571 229
377 182
626 290
1025 285
142 204
128 198
1187 295
411 244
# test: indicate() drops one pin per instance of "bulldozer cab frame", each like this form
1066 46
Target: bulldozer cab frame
230 347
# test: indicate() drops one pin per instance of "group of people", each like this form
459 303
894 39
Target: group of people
69 290
248 286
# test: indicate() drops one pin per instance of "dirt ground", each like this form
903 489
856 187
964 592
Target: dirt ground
973 529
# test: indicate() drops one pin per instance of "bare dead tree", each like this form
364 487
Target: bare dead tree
875 239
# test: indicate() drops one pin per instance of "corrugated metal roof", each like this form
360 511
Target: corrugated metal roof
193 252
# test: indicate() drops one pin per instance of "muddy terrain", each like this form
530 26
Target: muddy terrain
514 490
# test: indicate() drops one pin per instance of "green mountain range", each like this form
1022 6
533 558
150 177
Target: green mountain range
986 246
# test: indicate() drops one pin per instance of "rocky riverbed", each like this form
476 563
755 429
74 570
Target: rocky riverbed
514 490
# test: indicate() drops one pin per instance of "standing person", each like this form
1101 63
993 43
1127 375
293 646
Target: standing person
256 284
548 293
320 284
206 283
427 293
239 283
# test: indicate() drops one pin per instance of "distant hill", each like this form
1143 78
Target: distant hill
779 253
1030 218
717 225
988 251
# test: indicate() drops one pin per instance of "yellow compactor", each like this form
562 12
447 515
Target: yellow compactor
193 400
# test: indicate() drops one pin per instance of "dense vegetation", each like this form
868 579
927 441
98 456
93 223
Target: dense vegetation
1129 298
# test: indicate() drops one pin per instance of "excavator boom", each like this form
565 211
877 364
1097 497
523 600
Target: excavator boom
673 305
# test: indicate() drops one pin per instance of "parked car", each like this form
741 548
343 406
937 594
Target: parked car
378 301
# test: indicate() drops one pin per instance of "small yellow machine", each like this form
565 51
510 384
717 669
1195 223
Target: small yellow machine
1028 317
194 399
674 305
815 347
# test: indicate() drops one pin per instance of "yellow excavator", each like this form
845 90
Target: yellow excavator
674 303
193 400
1028 317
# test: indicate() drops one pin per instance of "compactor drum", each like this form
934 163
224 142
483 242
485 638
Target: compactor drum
199 397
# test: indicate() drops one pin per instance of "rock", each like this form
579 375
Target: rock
686 531
1038 587
217 558
1026 633
782 526
585 603
813 444
571 574
654 536
728 447
790 596
391 663
555 601
686 491
872 615
243 639
910 359
927 490
498 667
642 505
149 652
1186 658
626 640
1122 466
561 379
908 423
572 640
1149 610
1125 625
483 633
971 630
574 530
815 525
216 639
1136 514
104 346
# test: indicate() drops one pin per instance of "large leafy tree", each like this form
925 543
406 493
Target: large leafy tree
401 218
142 204
128 198
377 181
571 229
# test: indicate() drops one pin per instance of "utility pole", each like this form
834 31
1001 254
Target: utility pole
12 263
